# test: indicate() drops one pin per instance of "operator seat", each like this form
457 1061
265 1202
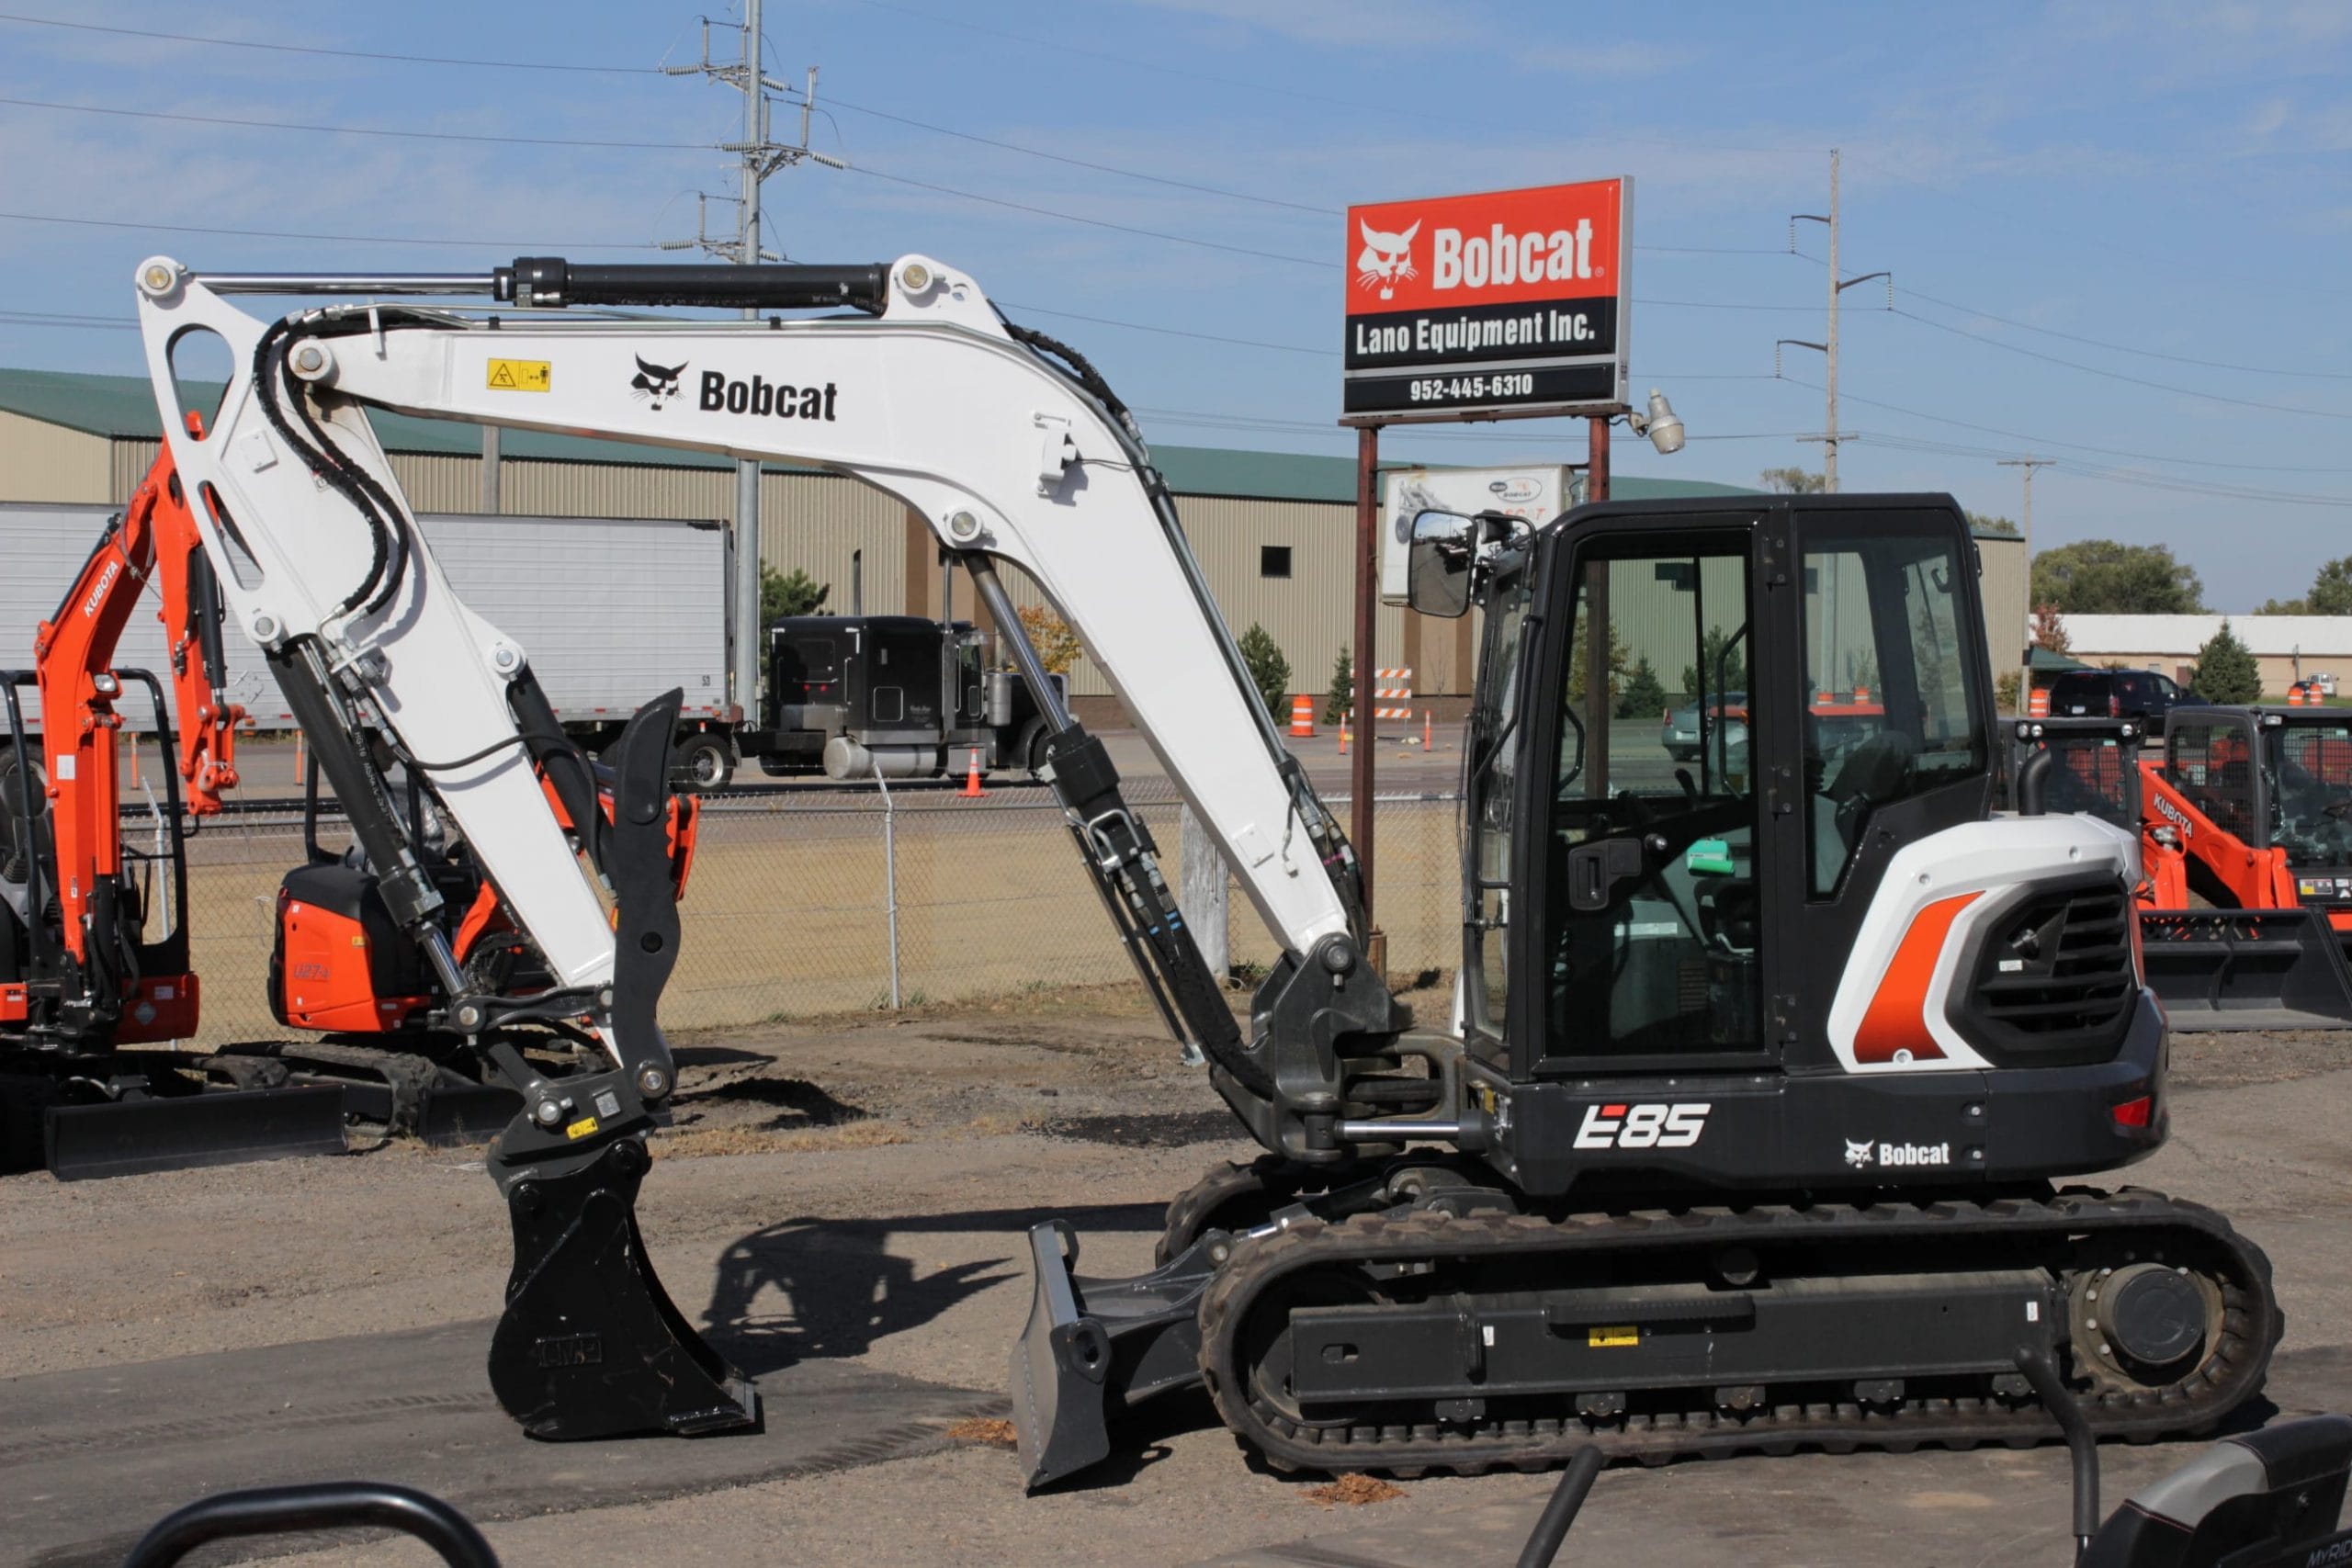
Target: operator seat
1874 773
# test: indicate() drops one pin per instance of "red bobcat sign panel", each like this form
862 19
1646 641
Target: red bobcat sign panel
1512 300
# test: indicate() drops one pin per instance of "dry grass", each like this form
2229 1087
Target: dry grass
704 1143
998 1124
988 1431
1354 1490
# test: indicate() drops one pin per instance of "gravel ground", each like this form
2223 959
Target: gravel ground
857 1190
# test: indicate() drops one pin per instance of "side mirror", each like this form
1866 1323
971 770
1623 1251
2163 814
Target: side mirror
1437 565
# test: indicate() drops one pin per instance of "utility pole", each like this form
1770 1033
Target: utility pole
1839 284
2028 463
758 156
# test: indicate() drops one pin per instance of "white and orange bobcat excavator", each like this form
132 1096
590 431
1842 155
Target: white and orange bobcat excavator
1743 1128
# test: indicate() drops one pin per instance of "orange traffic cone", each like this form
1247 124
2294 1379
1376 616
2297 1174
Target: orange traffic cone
972 790
1425 730
1343 735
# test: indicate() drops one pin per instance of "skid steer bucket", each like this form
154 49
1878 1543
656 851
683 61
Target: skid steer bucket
2245 969
1091 1345
130 1137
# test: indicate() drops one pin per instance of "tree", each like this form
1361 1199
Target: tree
796 594
1580 665
2007 689
2047 630
1342 699
1733 675
2331 588
2102 576
1269 671
2283 607
1792 482
2226 671
1058 647
1641 694
1984 522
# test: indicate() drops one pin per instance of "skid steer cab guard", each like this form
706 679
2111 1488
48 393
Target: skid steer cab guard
2250 808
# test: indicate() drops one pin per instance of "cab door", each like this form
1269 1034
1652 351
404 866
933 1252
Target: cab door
1642 940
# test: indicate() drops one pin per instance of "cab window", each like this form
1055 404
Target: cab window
1894 707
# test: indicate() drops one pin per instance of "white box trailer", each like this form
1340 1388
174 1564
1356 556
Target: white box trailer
612 612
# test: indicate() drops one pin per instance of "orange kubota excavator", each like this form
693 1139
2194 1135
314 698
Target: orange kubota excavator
94 934
93 930
2244 902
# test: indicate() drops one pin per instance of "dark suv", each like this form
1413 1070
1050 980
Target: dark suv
2119 693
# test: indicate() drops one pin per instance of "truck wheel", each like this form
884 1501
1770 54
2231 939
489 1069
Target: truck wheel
1029 750
706 762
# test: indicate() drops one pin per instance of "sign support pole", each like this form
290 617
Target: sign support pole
1367 628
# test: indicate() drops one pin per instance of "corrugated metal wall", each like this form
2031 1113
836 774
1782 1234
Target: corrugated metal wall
814 522
48 462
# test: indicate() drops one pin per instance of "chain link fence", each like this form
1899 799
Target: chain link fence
801 898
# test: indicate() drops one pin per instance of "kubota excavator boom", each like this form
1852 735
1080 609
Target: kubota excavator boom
88 977
1810 971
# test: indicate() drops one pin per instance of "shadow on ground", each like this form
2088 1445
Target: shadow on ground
810 1288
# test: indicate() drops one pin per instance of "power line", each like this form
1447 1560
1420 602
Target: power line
312 49
2127 348
2041 226
358 129
1089 163
2044 439
1093 222
2121 376
246 232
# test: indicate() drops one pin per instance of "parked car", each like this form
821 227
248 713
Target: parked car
1682 734
2119 693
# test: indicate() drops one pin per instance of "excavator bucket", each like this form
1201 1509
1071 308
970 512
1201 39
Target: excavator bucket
1095 1345
591 1345
132 1137
2245 969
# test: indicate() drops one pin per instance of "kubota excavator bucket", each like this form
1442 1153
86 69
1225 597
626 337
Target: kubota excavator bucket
2247 969
1094 1346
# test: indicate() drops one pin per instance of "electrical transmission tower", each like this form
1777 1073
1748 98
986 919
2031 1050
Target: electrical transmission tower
758 155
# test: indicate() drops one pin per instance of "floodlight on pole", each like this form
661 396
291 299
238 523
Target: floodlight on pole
1661 425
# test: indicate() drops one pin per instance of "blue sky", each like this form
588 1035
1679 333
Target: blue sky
2127 187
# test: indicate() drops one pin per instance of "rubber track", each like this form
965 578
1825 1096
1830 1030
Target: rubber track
2227 1377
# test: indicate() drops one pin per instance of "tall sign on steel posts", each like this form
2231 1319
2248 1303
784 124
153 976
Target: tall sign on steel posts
1512 303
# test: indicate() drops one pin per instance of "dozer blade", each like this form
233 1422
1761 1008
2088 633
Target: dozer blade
591 1345
1091 1342
2244 969
128 1138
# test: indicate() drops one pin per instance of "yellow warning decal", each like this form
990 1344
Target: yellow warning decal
519 374
1613 1336
587 1124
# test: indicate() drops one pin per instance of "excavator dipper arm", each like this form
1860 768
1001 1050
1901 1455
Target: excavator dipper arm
1010 447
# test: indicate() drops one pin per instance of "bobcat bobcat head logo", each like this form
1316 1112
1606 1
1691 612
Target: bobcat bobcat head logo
1386 258
657 382
1857 1155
